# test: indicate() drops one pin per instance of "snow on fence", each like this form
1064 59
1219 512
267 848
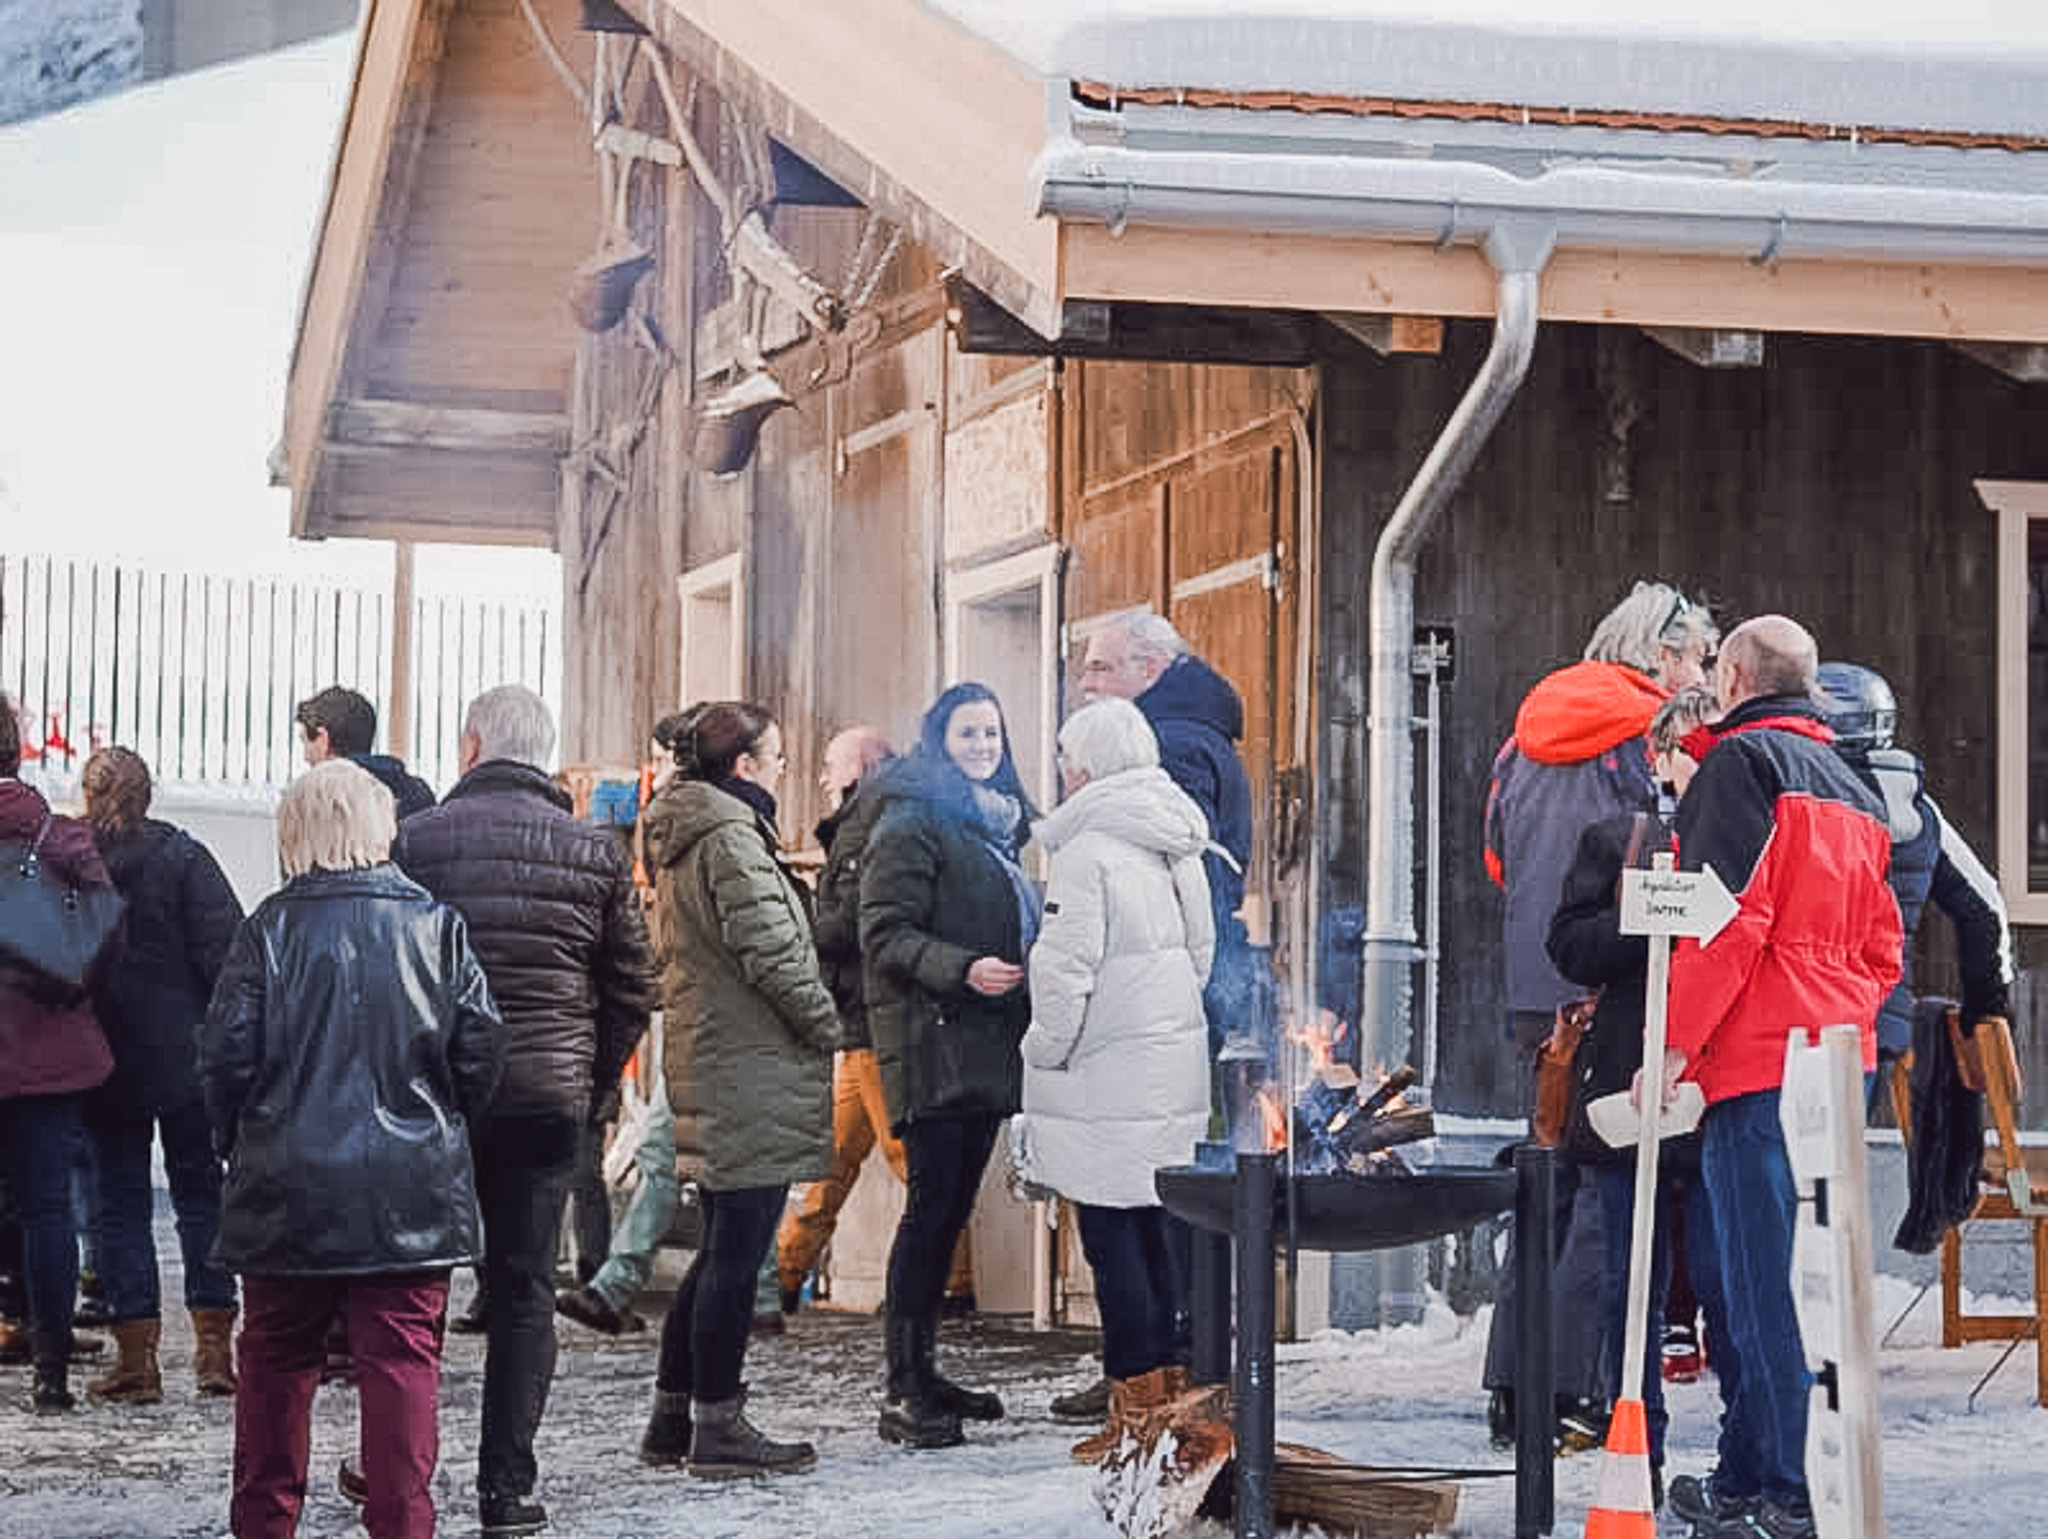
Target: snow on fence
199 672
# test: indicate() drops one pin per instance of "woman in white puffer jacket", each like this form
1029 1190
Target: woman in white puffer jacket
1116 1067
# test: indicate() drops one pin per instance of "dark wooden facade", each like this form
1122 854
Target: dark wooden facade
1833 483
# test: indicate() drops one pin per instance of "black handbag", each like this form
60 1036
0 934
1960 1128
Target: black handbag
50 926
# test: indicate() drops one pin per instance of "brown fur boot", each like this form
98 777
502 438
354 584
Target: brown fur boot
213 1350
135 1378
1130 1401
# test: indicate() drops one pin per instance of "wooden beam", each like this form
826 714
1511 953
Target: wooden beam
490 498
372 423
1306 272
1711 349
1155 333
1390 334
864 89
2025 362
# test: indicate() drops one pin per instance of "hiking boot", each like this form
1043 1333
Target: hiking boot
213 1351
1090 1404
1700 1502
136 1378
350 1480
1500 1419
52 1392
769 1322
724 1445
1682 1361
958 1305
1759 1520
913 1415
967 1404
1581 1424
509 1515
1130 1402
586 1306
666 1442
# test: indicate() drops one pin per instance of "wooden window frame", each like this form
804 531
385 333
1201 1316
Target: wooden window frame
2019 505
723 578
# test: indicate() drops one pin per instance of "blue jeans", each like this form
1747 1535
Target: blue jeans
127 1217
38 1146
1764 1380
1141 1287
523 1169
648 1213
704 1338
1677 1176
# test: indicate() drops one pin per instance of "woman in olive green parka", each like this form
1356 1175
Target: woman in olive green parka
750 1036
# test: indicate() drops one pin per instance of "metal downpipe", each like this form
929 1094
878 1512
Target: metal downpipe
1518 251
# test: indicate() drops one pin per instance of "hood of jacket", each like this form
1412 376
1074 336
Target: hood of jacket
687 810
1142 807
1584 710
1190 690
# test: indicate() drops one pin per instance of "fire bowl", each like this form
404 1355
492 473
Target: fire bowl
1346 1212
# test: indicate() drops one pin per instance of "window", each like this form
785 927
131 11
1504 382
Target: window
2022 508
714 661
1000 630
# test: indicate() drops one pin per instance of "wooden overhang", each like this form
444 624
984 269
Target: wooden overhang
939 128
428 393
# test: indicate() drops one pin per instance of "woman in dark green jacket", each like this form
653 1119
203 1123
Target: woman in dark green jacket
946 916
750 1034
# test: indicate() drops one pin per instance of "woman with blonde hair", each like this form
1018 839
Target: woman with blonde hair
1116 1063
181 919
349 1047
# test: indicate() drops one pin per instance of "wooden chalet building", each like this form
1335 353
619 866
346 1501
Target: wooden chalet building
1315 328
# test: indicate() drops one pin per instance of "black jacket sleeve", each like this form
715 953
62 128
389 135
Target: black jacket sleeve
1968 894
1585 940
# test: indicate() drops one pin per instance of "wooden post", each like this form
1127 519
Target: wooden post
398 699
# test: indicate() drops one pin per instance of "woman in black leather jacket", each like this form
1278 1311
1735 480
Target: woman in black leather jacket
350 1044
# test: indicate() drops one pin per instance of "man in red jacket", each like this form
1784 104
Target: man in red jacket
1815 942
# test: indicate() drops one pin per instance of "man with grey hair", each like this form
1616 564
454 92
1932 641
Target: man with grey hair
1198 718
554 918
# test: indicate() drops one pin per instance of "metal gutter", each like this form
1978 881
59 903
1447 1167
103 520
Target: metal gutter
1644 204
1518 250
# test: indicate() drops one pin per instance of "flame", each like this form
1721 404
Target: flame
1274 1117
1320 1038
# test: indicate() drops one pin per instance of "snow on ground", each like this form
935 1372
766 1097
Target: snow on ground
1406 1395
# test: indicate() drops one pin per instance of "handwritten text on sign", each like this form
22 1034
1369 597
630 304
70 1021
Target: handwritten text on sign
1675 903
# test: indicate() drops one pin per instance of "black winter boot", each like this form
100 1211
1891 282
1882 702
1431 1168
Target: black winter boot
967 1404
913 1415
724 1445
52 1391
666 1442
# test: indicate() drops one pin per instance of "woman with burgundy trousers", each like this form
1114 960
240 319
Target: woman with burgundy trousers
350 1045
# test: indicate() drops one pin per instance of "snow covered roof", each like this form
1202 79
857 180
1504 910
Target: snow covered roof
1973 66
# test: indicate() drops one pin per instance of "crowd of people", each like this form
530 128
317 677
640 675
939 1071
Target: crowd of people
404 1060
401 1061
1748 756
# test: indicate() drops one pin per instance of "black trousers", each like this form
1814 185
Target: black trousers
704 1338
946 1156
523 1168
1141 1287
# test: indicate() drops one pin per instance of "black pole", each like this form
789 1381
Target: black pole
1535 1362
1209 1302
1253 1388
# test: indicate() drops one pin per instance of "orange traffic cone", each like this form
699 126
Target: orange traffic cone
1622 1508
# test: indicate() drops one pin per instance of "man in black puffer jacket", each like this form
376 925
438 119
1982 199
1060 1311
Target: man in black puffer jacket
556 923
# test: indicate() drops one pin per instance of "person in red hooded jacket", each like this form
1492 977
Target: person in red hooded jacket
51 1052
1579 755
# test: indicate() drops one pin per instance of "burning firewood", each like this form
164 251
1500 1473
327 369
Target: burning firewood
1340 1127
